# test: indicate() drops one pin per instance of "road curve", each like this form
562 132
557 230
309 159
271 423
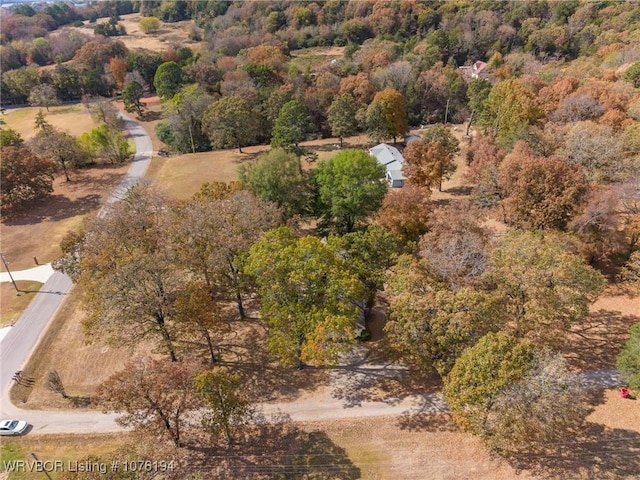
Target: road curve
338 400
18 344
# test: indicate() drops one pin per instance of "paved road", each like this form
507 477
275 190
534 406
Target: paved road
344 397
18 344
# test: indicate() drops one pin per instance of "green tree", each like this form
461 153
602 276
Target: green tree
167 79
545 288
480 374
386 115
185 114
369 254
632 74
308 297
351 186
276 177
131 96
109 142
477 94
429 327
154 396
510 108
25 177
291 126
227 409
10 138
44 95
342 116
149 25
231 122
628 362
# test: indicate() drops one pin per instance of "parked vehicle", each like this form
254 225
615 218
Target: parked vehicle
13 427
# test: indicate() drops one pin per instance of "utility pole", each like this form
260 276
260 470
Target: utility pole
6 266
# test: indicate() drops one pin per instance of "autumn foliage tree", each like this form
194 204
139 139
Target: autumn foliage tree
406 212
156 397
386 116
129 277
540 193
545 287
25 177
431 160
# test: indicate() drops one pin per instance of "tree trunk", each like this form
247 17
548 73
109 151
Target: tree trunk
210 346
64 169
469 124
166 337
236 287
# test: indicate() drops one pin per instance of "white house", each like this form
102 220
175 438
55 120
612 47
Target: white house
393 161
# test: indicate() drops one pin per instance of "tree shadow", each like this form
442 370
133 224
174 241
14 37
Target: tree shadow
597 452
596 342
275 448
364 375
263 378
58 207
426 422
461 191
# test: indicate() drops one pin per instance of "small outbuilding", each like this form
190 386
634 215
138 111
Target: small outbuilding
393 161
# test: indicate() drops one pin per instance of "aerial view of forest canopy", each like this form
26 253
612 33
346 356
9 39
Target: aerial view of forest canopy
349 203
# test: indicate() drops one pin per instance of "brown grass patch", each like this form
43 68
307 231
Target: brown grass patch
13 303
81 366
64 448
594 344
38 229
169 35
74 119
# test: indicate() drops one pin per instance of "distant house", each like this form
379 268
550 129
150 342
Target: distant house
393 161
476 70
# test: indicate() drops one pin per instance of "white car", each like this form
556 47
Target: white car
13 427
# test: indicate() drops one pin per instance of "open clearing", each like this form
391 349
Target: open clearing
378 448
13 303
74 119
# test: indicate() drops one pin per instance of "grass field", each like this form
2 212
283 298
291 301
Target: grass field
52 448
71 118
14 303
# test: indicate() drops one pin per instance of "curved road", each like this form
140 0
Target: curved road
343 398
18 344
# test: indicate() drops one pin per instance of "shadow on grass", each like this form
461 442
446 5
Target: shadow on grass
263 378
427 422
275 449
596 342
365 375
597 453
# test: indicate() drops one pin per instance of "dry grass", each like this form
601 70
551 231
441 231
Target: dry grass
169 35
64 448
595 343
12 303
81 372
73 118
37 230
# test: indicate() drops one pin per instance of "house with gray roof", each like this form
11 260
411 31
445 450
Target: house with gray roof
393 161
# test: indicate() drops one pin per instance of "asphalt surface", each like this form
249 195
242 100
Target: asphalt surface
18 344
342 398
